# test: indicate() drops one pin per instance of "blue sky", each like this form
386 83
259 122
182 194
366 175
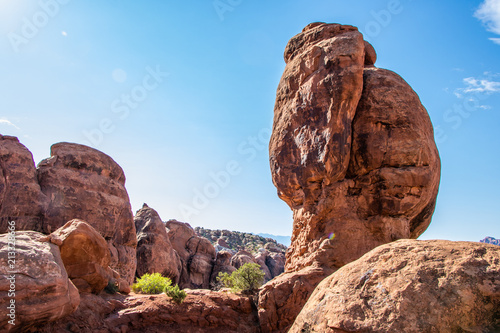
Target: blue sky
181 95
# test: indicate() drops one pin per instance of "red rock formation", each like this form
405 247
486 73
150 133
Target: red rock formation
155 253
262 258
85 255
222 265
86 184
222 242
410 286
21 199
43 292
242 257
276 263
196 253
353 155
202 311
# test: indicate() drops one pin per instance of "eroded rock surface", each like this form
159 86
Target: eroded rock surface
43 292
85 255
410 286
155 253
242 257
21 199
86 184
353 155
202 311
196 253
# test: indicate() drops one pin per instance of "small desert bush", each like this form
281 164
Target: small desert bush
247 278
176 293
153 283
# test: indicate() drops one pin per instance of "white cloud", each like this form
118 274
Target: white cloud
495 40
489 13
480 86
7 122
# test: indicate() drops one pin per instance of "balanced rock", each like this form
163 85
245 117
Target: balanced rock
85 255
86 184
40 285
197 255
21 199
352 153
155 253
410 286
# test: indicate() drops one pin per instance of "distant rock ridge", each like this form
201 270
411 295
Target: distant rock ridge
241 248
240 241
490 240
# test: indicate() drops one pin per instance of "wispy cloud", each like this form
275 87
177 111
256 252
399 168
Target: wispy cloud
489 13
495 40
8 122
480 86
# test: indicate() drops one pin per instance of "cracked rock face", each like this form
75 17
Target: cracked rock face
21 199
154 250
196 254
84 183
43 292
352 153
410 286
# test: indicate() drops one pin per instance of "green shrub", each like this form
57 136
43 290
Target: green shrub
224 280
247 278
176 293
112 287
151 284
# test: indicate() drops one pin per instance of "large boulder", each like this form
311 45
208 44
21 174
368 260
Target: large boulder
352 153
155 253
21 199
196 253
85 255
410 286
86 184
40 285
242 257
281 299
